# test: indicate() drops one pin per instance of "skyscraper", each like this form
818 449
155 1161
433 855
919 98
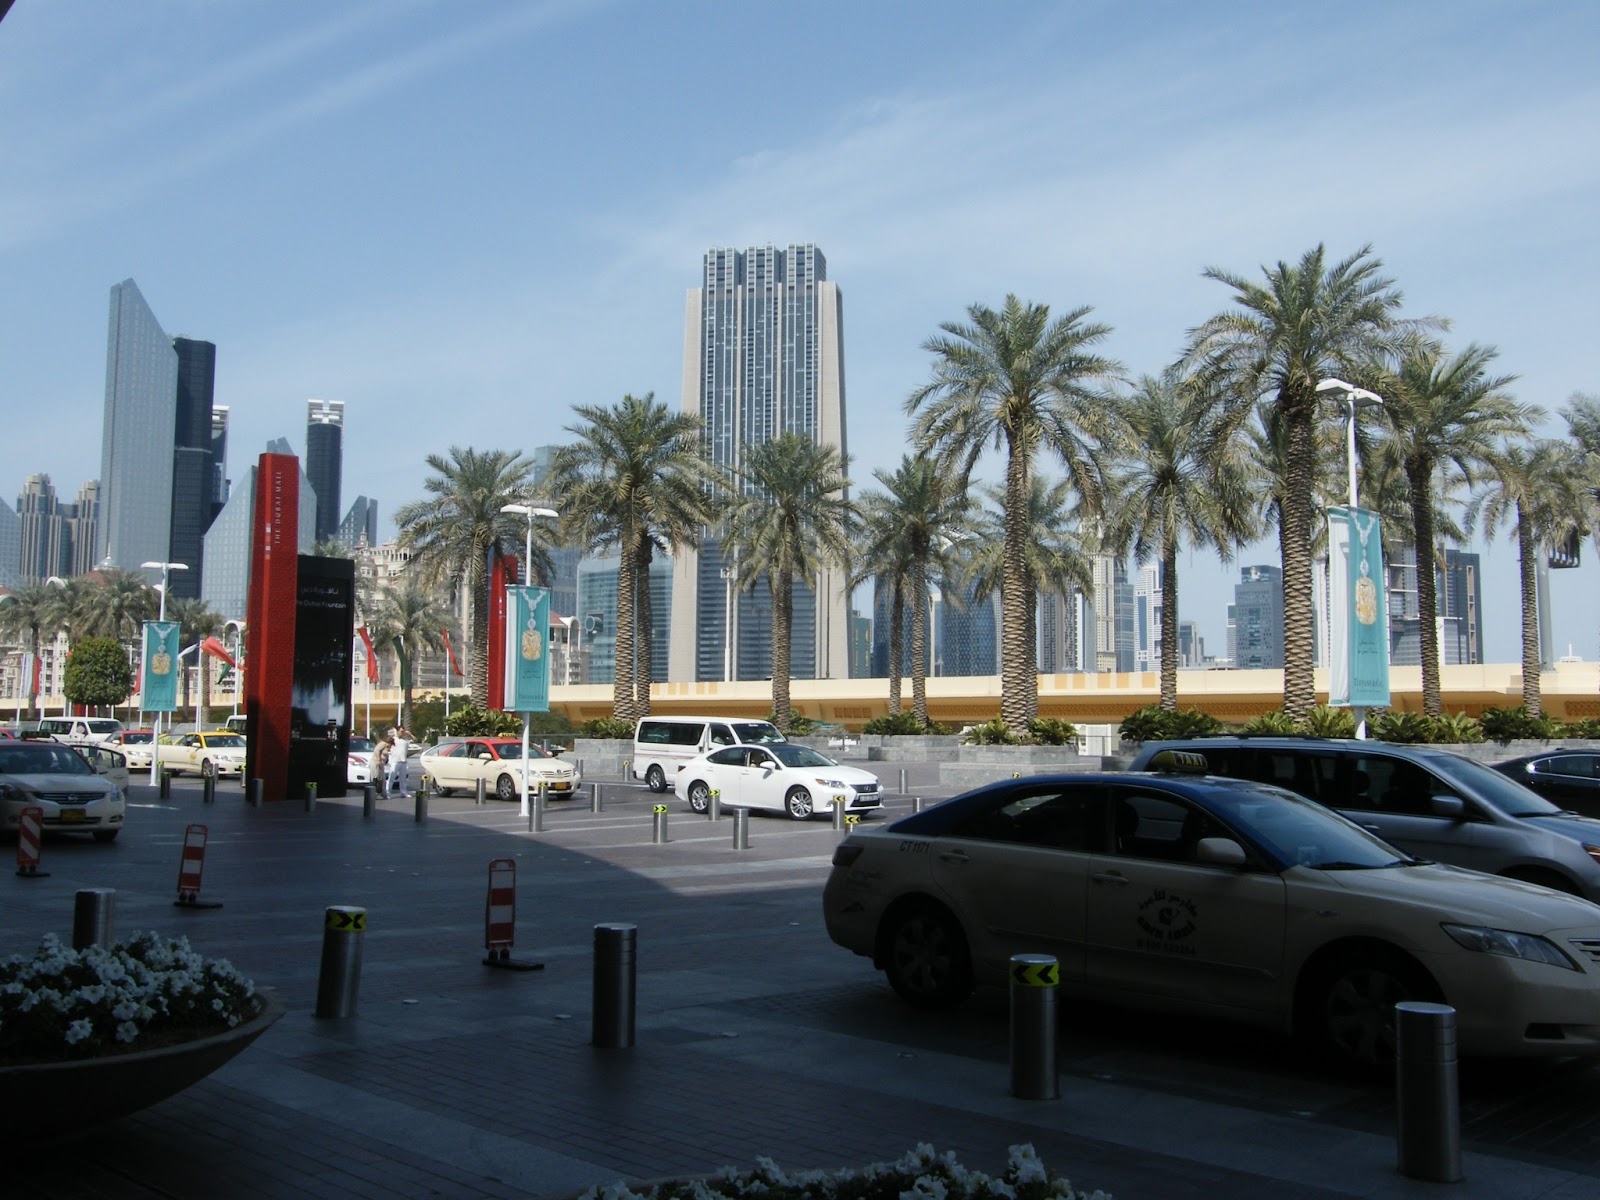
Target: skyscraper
136 448
325 461
194 484
1255 632
763 356
225 580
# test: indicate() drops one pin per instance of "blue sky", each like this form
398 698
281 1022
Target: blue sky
463 218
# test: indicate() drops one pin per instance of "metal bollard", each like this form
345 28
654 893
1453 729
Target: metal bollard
339 979
1034 978
367 805
741 829
902 781
91 917
257 787
420 807
482 793
916 804
615 969
1427 1099
839 810
311 796
714 805
208 790
164 784
658 823
538 809
594 797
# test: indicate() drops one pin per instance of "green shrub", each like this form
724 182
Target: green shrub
1155 724
1587 728
1191 722
799 724
1052 731
607 728
990 733
473 721
1408 728
1278 722
1326 722
1511 724
1458 729
903 724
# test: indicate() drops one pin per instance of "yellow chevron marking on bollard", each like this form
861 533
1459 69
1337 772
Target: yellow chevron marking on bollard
1036 974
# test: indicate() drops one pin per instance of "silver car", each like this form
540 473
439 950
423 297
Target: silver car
1429 802
61 783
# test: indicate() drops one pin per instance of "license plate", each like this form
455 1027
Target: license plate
561 787
68 815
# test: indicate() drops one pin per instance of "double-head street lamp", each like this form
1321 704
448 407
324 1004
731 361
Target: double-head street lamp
530 512
166 569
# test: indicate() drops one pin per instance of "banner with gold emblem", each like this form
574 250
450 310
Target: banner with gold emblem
527 666
158 683
1358 675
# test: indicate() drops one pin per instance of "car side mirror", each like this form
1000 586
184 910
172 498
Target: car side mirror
1219 852
1453 807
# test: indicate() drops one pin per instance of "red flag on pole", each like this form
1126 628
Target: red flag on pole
372 655
216 649
450 650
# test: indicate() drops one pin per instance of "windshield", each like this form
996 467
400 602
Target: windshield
791 755
1297 831
359 744
103 725
41 758
137 737
1488 785
757 732
225 741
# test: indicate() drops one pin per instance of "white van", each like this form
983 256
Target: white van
661 745
80 729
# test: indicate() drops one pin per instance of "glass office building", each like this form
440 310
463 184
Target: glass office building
325 461
136 449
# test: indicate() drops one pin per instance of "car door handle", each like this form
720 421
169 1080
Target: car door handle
1371 828
1116 877
953 856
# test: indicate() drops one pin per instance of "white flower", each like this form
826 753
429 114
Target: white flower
79 1030
127 1031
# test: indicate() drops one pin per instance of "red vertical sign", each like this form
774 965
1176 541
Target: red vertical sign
269 634
502 570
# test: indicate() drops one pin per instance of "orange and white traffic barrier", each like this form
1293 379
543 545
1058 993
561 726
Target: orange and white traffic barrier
190 868
30 835
500 916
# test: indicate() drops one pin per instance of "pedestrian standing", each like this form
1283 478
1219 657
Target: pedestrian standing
397 758
380 764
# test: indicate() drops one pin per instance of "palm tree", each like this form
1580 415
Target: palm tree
408 620
196 622
635 479
26 614
1442 409
114 603
1307 322
790 520
1174 483
1025 384
453 532
1541 488
907 534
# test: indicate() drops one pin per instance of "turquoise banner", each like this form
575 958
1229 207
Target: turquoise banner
158 682
1369 620
527 649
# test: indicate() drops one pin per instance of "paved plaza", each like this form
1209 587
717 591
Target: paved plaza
755 1035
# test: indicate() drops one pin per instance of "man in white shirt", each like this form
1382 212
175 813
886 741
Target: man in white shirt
397 760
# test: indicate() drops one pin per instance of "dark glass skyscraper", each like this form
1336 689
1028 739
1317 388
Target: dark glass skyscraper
193 463
325 461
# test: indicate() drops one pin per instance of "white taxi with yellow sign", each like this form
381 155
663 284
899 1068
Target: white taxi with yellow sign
1177 890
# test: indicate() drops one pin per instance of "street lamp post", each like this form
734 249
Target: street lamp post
728 571
166 569
530 512
1355 399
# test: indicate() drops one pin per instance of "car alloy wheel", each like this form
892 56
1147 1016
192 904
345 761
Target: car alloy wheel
1355 1005
925 957
655 779
505 787
798 803
699 796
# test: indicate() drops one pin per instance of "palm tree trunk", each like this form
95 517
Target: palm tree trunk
1419 478
644 672
479 617
1018 683
622 697
919 639
1527 565
1169 621
782 588
897 614
1294 542
202 716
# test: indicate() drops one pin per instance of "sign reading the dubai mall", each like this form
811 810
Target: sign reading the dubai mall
1358 670
527 671
158 681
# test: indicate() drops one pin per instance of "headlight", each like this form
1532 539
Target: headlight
833 783
1509 944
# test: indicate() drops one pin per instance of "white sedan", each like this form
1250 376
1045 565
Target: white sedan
787 777
498 762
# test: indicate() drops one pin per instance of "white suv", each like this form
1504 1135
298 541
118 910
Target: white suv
80 729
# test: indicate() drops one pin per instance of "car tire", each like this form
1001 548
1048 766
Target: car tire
443 791
505 788
925 956
699 796
798 803
655 778
1350 1005
208 769
106 835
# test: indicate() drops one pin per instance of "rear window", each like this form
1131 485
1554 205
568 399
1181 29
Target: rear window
671 733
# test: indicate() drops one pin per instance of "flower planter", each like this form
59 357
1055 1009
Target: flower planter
50 1101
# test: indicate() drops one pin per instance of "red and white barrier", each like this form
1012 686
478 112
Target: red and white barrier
500 916
30 834
190 868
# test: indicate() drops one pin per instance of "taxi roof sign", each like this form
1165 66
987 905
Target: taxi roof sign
1182 762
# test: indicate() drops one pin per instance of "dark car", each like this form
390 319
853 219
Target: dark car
1570 778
